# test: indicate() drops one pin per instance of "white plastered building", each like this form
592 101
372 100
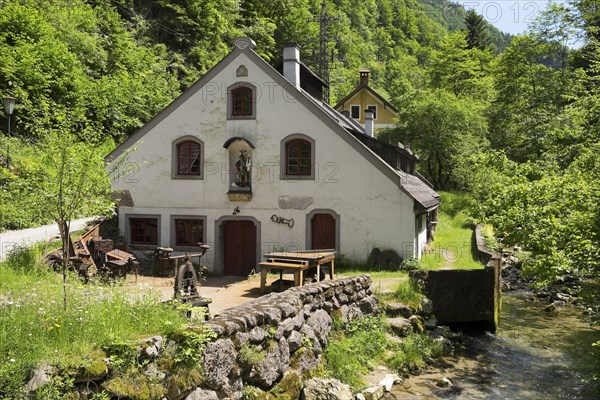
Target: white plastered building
247 161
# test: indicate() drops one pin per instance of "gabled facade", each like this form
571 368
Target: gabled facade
364 98
249 162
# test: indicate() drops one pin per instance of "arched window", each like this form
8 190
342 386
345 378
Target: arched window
298 160
298 157
187 158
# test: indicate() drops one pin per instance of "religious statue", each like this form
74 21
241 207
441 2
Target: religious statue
242 172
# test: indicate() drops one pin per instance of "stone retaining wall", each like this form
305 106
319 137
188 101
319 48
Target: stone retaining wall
485 255
260 340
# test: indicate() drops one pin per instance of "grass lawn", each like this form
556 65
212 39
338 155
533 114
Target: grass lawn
452 247
35 328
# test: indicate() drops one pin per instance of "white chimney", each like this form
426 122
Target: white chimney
291 63
369 114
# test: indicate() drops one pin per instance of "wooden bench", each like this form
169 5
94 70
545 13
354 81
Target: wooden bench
297 268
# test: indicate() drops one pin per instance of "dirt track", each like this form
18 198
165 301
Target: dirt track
225 291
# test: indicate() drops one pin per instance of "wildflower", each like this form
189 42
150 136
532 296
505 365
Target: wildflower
12 360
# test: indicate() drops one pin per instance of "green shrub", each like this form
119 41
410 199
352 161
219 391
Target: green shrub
23 259
191 342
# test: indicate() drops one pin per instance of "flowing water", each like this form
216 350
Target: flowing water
534 355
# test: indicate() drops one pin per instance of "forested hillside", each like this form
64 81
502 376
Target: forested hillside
517 132
452 16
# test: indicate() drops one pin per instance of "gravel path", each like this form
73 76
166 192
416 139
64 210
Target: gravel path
10 239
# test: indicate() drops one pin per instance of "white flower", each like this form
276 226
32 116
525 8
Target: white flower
12 360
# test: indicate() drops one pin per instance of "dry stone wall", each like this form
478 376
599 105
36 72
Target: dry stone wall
261 340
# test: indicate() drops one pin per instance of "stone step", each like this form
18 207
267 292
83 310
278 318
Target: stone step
398 310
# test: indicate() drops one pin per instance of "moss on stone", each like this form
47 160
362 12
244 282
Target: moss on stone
288 388
337 315
185 378
134 385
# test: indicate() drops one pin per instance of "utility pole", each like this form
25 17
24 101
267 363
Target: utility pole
325 56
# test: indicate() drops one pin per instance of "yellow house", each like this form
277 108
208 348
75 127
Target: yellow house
362 98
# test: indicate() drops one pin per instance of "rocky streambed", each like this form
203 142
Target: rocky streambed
536 354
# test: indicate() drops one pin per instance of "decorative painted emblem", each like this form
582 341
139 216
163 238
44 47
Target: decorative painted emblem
242 71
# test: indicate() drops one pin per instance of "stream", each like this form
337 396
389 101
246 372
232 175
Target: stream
534 355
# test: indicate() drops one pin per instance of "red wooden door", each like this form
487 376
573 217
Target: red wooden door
239 247
323 232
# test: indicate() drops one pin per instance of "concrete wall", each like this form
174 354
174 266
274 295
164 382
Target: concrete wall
372 210
466 296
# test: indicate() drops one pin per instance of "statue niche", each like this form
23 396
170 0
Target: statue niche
239 168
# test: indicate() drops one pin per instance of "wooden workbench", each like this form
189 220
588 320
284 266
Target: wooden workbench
297 262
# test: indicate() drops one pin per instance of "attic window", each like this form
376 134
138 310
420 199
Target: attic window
241 101
355 112
374 109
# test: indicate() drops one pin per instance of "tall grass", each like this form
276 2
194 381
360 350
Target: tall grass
354 349
358 346
452 247
414 353
408 293
35 329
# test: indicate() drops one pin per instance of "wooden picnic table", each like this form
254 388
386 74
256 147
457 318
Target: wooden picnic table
296 262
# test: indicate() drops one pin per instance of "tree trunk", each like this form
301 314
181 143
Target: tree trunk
64 228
